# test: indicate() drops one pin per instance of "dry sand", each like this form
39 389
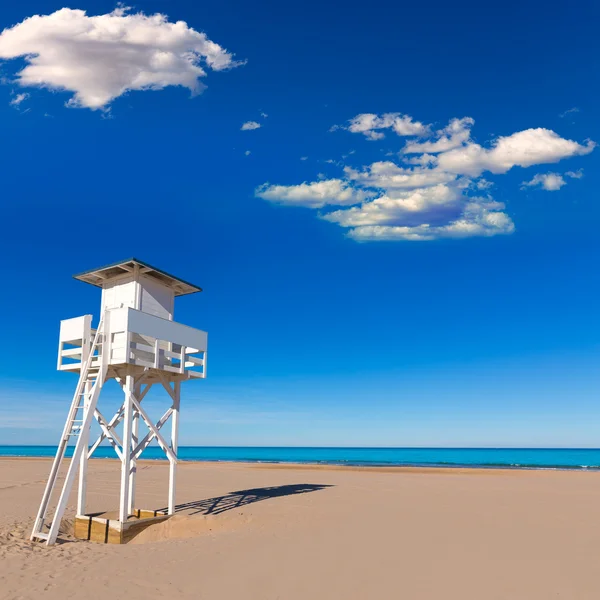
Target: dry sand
250 532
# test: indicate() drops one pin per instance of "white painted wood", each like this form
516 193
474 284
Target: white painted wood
137 343
150 435
157 354
70 430
143 334
79 448
109 433
156 298
170 331
126 447
138 288
119 292
159 438
174 446
83 461
134 443
117 418
182 360
166 384
76 329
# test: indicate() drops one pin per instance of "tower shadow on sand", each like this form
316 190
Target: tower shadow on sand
221 504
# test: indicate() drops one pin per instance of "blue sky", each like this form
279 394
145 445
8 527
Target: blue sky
352 297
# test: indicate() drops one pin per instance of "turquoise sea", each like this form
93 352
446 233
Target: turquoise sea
526 458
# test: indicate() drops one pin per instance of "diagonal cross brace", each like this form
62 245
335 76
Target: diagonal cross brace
150 435
117 418
151 426
167 386
107 432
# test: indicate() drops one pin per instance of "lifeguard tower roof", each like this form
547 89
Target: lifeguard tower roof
98 276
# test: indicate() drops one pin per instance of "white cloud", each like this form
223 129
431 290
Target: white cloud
522 149
441 211
18 99
570 111
99 58
406 208
247 153
456 133
389 176
437 193
313 195
477 220
304 158
368 124
423 160
575 174
264 115
250 125
551 182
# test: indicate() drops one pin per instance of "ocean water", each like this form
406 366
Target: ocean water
526 458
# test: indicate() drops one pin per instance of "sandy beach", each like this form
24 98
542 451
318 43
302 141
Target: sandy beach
289 532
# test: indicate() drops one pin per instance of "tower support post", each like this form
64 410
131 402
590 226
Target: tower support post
134 442
174 445
126 448
83 461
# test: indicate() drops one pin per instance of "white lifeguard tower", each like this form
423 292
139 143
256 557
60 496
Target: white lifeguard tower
137 343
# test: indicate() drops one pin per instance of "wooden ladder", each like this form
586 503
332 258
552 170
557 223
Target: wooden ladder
79 419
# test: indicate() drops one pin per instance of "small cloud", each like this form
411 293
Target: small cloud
551 182
369 123
424 160
374 135
483 184
569 112
575 174
18 99
250 125
304 158
315 194
247 153
264 115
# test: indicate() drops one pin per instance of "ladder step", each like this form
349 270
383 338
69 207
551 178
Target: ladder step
40 535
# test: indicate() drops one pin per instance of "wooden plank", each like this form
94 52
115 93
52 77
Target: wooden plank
111 531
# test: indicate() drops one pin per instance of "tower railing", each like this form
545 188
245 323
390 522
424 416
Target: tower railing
137 338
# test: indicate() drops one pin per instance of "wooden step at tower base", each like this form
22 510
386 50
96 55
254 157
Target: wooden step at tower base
106 528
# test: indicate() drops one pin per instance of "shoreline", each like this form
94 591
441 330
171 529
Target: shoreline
307 466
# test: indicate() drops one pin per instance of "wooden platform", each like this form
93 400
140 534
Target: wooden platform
106 528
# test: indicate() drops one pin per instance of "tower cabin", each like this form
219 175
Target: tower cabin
137 343
137 306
